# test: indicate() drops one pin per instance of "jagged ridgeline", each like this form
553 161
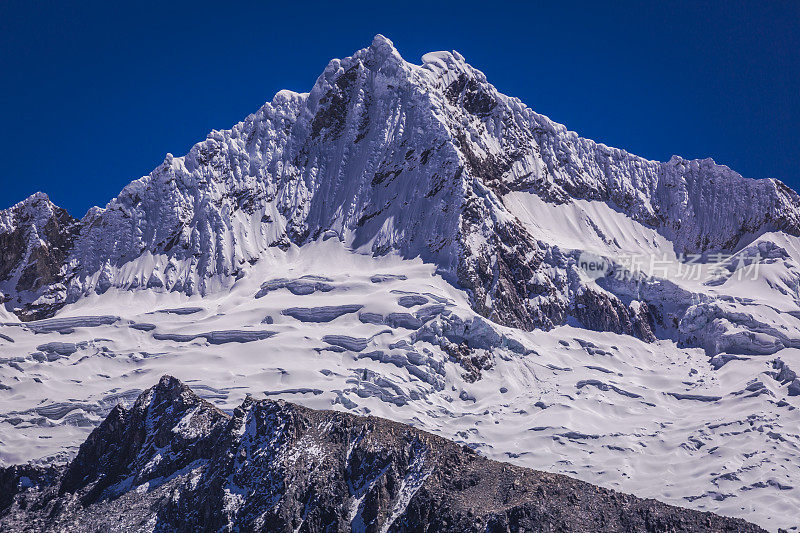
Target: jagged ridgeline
387 156
174 462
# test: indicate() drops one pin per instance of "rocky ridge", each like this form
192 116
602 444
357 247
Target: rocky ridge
173 462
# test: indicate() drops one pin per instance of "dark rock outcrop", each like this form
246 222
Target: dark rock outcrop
35 238
786 376
173 462
17 479
602 311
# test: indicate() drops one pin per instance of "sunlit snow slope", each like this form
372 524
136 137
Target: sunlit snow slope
406 241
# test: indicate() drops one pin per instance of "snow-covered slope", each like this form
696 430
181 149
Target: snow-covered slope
405 240
329 328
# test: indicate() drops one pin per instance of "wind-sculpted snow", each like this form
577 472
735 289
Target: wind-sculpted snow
68 325
412 300
354 344
181 310
217 337
61 348
320 314
605 407
382 278
303 285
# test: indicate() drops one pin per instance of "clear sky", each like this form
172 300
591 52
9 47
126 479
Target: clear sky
93 96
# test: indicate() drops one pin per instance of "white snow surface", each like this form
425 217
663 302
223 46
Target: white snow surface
652 419
313 256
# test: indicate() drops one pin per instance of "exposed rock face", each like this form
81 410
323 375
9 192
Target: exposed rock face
167 429
786 375
35 240
605 312
389 157
175 463
17 479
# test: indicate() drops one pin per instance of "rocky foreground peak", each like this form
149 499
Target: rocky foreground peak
173 462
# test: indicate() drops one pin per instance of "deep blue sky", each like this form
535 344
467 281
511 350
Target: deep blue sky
93 96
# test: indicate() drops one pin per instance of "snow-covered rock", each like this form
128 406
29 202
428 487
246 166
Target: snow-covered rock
388 156
175 462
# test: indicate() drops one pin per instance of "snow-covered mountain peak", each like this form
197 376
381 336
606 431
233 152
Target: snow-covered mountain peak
393 157
35 237
382 48
405 240
34 207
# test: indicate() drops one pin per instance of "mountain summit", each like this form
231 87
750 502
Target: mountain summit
387 156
